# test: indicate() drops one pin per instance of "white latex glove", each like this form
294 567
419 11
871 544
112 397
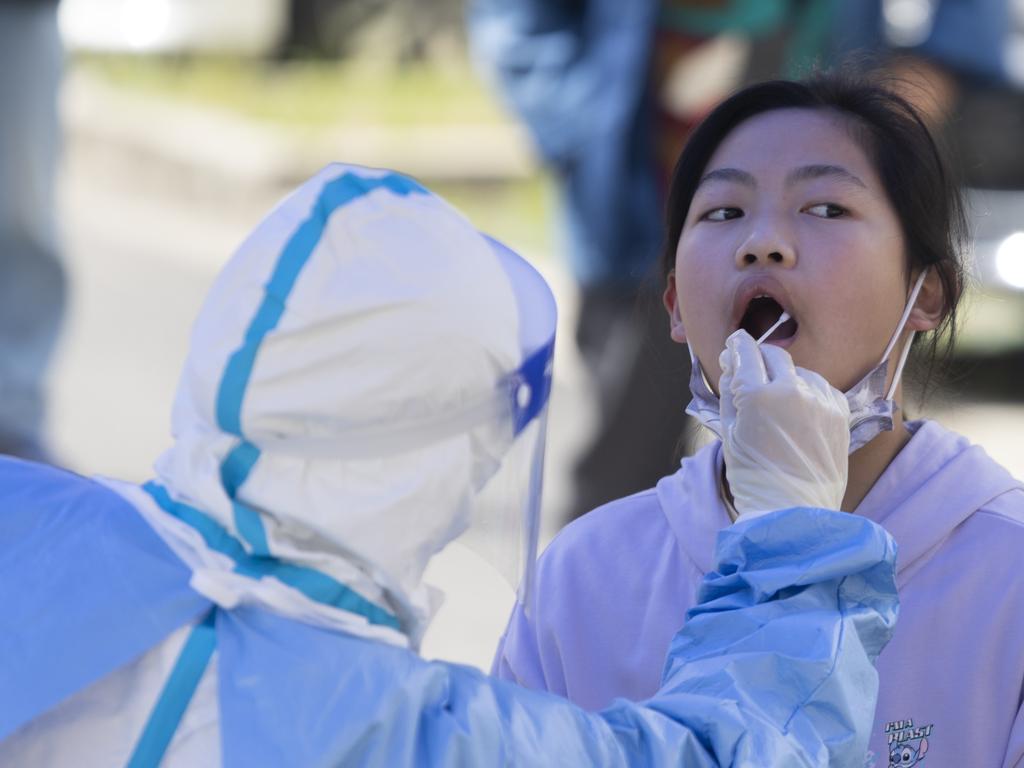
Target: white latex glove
785 431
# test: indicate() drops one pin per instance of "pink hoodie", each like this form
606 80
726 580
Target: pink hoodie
614 587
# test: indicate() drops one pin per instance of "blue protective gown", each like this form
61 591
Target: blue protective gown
773 667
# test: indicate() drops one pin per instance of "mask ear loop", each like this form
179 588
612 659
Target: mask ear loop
899 329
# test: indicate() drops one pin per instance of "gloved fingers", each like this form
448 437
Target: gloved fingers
826 391
816 383
726 361
726 406
748 369
779 364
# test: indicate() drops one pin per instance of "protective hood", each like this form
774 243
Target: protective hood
337 409
933 485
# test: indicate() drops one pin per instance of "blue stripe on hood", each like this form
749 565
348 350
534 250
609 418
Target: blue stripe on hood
296 253
231 393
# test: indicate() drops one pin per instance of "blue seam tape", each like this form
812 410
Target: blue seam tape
176 694
231 392
296 253
312 583
234 471
195 656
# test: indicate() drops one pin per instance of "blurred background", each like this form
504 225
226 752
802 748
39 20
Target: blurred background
182 121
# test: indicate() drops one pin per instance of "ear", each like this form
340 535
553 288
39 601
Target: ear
927 312
671 301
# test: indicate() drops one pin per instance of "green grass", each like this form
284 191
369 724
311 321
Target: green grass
309 97
519 212
310 93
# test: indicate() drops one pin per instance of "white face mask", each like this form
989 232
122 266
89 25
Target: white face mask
871 407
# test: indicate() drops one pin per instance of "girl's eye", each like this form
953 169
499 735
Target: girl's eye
826 210
722 214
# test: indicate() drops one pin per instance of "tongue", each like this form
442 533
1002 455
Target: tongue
784 331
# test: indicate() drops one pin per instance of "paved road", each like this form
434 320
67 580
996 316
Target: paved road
143 248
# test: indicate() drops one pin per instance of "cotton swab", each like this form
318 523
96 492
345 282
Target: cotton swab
782 318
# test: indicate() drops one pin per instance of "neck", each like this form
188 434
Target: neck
869 462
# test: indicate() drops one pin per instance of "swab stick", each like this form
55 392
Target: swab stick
782 318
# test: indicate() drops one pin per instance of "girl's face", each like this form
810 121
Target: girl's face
790 215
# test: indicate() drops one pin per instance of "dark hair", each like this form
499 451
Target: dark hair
916 177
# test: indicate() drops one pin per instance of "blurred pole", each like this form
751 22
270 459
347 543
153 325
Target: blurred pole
32 282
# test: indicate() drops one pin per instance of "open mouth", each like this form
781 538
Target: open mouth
762 313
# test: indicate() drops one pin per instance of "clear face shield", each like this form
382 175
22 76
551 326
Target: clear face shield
505 523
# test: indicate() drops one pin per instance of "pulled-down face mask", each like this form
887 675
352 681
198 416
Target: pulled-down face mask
871 406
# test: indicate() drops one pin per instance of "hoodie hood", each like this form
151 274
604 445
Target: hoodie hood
338 409
934 484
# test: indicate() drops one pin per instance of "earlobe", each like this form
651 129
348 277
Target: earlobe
928 309
671 301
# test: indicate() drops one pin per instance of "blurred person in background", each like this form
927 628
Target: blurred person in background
32 281
934 48
593 82
367 371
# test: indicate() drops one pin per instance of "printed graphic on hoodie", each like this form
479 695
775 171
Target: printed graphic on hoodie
908 744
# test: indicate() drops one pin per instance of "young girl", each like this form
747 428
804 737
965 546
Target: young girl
829 202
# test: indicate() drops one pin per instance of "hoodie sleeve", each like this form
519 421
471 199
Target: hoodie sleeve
775 665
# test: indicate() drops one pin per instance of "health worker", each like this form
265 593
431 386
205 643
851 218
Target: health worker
368 378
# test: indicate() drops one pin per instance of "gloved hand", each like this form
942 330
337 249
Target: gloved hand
785 431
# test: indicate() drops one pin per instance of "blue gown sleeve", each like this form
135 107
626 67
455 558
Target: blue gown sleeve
85 584
774 666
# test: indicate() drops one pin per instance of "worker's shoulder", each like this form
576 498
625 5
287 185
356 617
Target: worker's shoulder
27 485
20 476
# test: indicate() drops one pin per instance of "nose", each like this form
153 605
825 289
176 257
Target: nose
766 246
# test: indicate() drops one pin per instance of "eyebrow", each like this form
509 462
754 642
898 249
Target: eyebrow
803 173
808 172
735 175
